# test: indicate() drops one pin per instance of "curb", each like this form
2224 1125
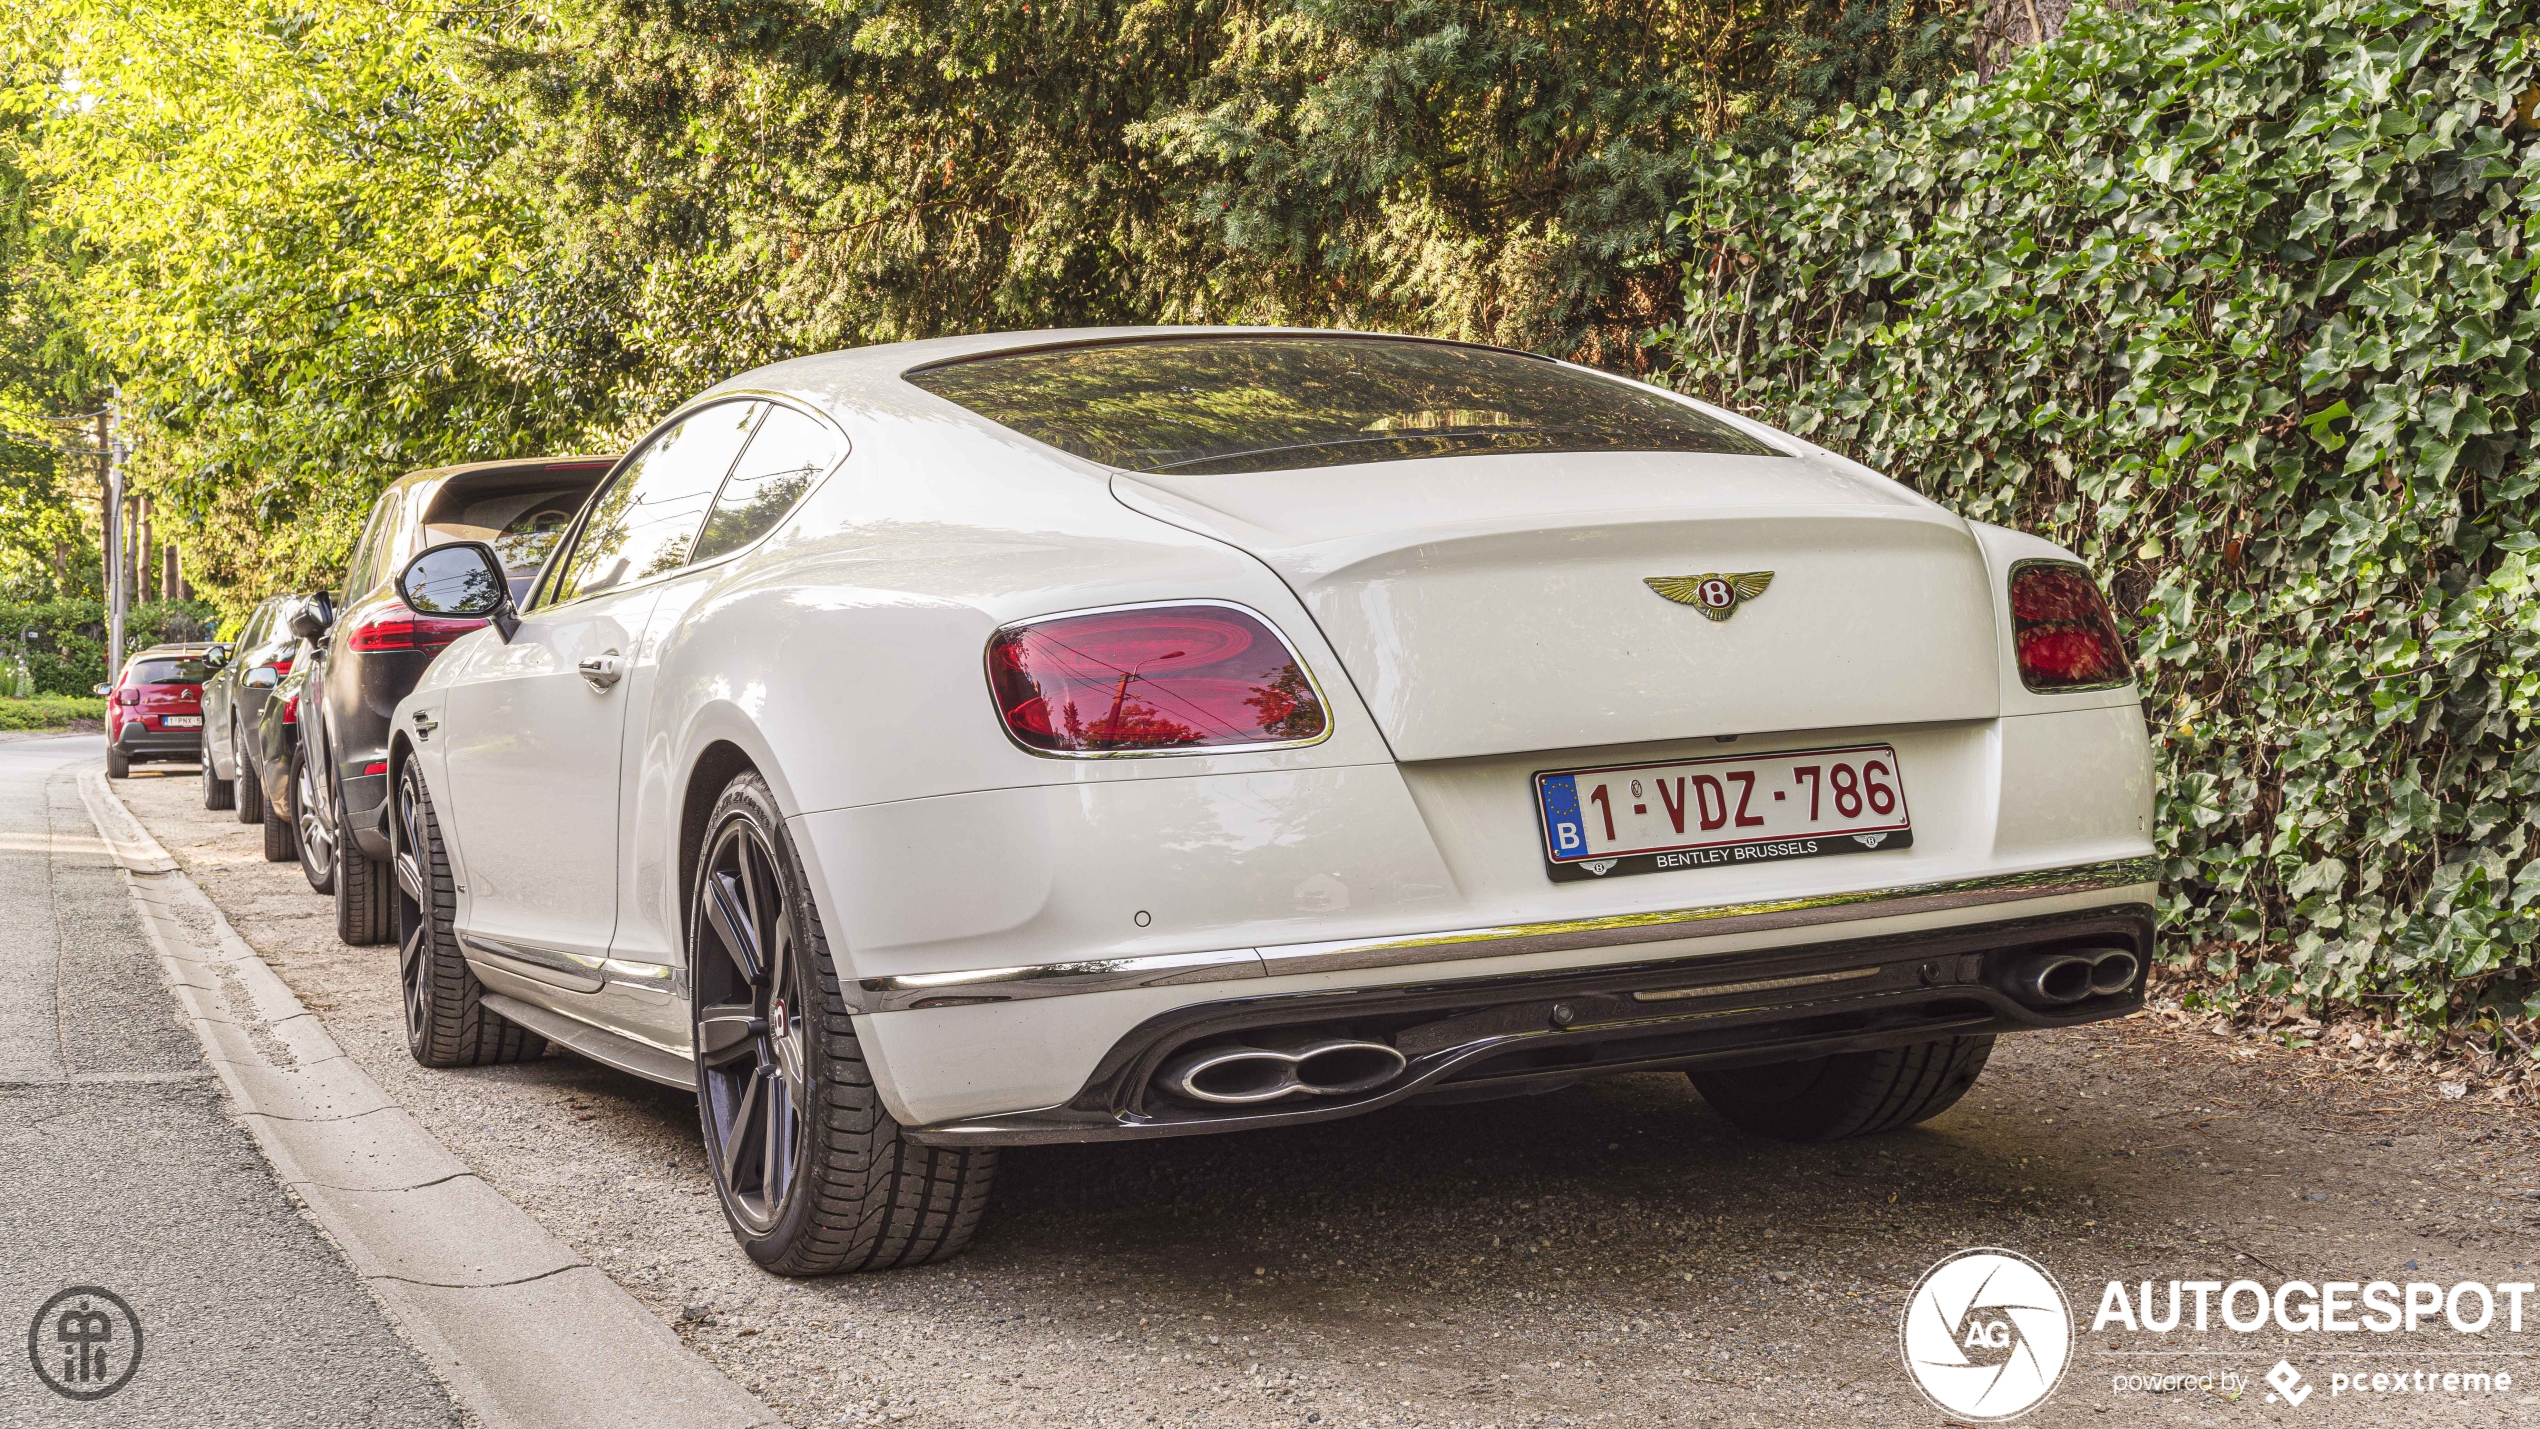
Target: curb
523 1331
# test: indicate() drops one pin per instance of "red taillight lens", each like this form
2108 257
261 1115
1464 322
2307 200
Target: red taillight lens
1152 678
395 627
291 710
2061 627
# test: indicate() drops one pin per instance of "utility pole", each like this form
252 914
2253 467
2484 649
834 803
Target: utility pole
115 588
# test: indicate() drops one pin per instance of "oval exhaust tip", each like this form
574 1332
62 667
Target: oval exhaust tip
2055 979
2113 971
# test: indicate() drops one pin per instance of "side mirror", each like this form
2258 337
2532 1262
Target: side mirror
312 620
103 690
463 580
263 677
216 657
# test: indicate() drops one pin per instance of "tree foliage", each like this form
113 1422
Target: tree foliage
2239 300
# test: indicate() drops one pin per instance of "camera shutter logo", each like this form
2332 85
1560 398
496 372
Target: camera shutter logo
85 1343
1987 1334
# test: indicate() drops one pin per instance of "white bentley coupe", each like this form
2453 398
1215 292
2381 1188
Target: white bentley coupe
1110 734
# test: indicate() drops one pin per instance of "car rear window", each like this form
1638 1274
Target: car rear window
1222 405
186 671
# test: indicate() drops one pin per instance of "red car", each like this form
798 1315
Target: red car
155 711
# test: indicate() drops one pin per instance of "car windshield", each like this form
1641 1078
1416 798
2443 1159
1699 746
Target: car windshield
180 670
1221 405
522 527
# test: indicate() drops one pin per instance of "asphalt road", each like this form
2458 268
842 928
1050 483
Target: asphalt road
120 1169
1607 1254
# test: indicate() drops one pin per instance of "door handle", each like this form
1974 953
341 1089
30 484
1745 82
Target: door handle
425 724
601 670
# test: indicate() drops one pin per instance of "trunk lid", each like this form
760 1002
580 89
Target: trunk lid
1498 604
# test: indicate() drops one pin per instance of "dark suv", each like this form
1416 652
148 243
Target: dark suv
328 764
256 660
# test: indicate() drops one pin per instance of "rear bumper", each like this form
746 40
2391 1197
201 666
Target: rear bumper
1485 1037
136 742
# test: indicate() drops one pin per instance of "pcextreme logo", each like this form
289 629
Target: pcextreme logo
1987 1334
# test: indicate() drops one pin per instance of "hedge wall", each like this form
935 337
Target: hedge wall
2239 301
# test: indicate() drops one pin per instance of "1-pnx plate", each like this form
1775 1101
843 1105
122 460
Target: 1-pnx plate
1622 819
180 722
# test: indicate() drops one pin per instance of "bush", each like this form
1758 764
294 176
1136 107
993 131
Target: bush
67 654
49 711
2238 300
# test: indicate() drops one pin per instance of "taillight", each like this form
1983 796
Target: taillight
395 627
2062 629
1157 677
291 709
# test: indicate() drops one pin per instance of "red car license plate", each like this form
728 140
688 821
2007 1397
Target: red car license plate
1703 813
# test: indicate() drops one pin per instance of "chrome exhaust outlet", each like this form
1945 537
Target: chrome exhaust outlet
2052 979
1306 1066
2113 971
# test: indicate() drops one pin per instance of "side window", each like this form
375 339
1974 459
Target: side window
364 572
788 454
645 523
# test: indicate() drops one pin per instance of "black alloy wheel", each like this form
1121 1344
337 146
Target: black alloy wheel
317 845
750 1062
250 784
813 1172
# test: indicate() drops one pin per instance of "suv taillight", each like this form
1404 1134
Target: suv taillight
395 627
2061 627
1151 678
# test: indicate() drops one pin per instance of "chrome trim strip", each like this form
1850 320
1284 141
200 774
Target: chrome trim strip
1623 929
896 994
576 971
1732 989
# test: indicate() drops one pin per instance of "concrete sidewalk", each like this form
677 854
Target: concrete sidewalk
121 1168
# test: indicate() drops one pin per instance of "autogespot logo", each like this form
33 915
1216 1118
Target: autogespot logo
1987 1334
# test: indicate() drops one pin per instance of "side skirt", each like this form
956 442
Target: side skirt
598 1043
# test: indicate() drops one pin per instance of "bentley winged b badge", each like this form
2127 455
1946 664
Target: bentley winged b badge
1716 594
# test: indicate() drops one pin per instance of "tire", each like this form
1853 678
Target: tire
365 894
218 793
447 1023
251 784
282 837
118 764
1849 1094
310 839
843 1189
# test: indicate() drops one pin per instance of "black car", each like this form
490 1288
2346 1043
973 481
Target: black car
250 665
368 650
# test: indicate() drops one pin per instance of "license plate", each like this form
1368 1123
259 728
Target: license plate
180 721
1705 813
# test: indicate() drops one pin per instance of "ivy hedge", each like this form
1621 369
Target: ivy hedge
2239 301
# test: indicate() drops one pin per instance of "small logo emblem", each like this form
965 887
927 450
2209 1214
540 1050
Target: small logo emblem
1599 866
1987 1335
1716 594
1869 840
2287 1381
85 1343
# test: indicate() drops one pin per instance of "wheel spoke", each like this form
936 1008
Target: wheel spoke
776 1158
737 1132
410 879
732 927
725 1030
